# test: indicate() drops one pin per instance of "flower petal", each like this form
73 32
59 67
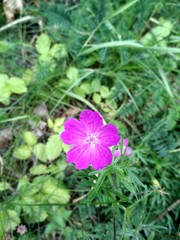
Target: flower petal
74 132
101 157
108 135
125 142
92 121
128 151
117 153
80 155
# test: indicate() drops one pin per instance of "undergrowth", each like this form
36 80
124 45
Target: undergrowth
121 59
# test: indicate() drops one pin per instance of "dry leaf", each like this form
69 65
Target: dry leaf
5 135
10 7
71 112
41 110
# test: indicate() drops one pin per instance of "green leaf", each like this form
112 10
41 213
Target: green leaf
40 152
30 138
43 44
3 79
12 220
53 147
72 73
16 85
96 85
79 91
50 123
87 88
104 91
23 152
2 225
5 95
57 124
57 195
38 169
4 186
58 51
66 147
96 98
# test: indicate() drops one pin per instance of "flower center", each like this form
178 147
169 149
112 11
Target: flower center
92 139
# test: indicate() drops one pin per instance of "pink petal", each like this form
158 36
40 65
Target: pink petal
92 121
80 155
108 135
117 153
74 132
125 142
101 157
128 152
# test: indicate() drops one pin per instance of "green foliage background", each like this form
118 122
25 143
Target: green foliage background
120 58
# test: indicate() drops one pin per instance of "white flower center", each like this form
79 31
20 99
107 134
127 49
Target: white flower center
92 139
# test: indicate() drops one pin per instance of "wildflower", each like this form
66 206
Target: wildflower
21 229
125 149
90 140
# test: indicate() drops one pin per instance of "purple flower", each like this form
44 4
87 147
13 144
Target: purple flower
21 229
125 149
90 140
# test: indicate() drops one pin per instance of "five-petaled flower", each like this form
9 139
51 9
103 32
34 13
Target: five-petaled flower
21 229
127 151
90 140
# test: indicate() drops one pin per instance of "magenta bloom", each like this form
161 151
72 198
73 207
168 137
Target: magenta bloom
125 149
90 140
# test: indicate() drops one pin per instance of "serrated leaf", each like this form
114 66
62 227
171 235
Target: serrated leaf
38 169
58 51
57 195
30 138
16 85
43 44
4 186
53 147
40 152
23 152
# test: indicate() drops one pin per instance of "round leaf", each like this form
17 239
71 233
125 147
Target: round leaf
53 147
4 186
40 152
23 152
30 138
38 169
43 44
16 85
